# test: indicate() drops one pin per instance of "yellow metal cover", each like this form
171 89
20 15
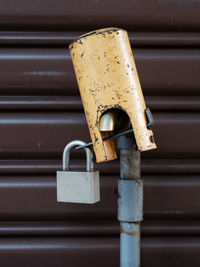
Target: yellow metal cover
107 79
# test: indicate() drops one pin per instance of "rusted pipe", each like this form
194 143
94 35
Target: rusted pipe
130 202
129 244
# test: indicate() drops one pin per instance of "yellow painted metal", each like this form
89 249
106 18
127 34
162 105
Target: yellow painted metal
107 80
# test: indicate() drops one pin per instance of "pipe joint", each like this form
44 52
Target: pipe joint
130 200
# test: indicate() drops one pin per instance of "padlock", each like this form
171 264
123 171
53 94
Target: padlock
78 186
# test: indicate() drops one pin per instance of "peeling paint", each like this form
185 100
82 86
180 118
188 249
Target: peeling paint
107 79
133 233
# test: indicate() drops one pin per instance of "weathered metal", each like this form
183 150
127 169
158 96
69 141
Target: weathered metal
130 202
39 101
129 244
130 159
107 78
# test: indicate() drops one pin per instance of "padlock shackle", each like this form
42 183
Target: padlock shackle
66 154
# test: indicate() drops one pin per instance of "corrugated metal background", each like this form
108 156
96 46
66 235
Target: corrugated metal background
41 111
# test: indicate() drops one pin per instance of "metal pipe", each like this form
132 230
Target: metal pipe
130 202
129 244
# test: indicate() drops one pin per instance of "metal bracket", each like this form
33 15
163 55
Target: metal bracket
149 116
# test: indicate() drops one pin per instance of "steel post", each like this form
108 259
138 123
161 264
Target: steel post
130 202
129 244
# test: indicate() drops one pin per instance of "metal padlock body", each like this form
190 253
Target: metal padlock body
77 186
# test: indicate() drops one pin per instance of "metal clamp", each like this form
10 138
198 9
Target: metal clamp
130 201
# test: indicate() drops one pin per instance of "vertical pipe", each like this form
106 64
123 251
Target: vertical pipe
130 202
129 244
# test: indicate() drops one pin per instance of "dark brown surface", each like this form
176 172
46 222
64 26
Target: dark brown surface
49 71
61 38
104 251
34 198
41 111
38 135
87 15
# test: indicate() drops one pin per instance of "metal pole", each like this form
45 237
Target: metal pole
130 202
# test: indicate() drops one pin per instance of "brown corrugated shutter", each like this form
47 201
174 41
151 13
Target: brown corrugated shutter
41 111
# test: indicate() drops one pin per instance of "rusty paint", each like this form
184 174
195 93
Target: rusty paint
107 79
132 233
130 159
